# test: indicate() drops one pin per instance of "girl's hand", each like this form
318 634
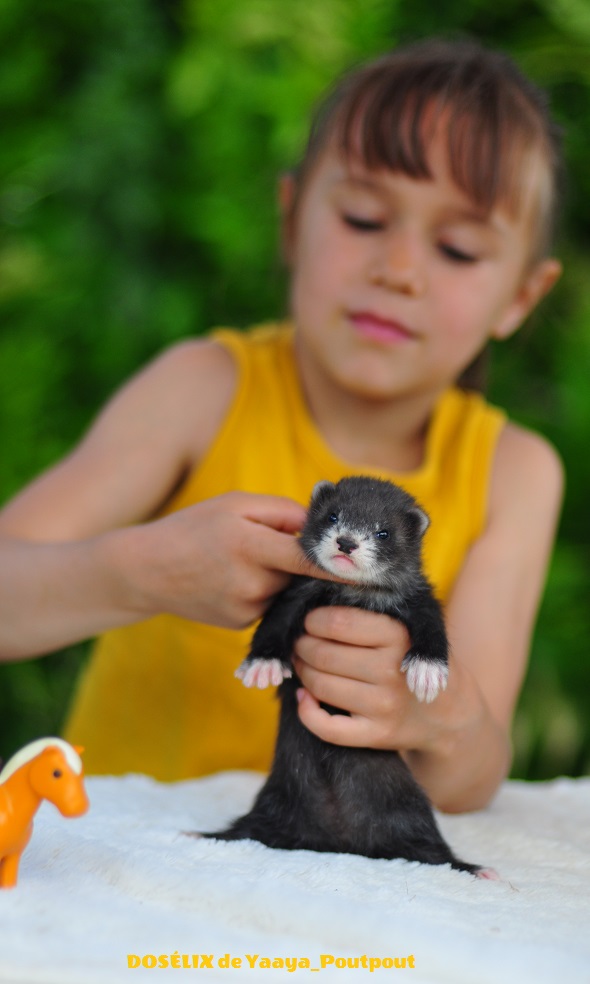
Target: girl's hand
351 658
220 561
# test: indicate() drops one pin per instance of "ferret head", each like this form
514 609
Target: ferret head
365 530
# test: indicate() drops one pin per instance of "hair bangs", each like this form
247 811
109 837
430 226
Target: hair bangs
385 115
489 140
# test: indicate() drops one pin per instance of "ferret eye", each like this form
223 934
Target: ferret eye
333 517
382 535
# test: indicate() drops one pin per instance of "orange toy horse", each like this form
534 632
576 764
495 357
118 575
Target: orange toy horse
48 769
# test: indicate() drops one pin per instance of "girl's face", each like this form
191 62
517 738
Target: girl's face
398 283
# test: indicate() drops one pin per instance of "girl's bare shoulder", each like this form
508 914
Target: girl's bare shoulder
193 383
149 435
528 478
525 452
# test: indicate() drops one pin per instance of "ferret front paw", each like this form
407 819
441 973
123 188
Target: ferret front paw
263 673
425 677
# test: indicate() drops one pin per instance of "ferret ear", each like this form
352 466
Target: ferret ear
320 491
421 519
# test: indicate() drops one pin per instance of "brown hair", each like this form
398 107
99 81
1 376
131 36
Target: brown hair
497 124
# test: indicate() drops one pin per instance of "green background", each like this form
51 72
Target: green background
140 148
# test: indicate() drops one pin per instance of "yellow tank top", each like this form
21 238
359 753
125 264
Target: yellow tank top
160 697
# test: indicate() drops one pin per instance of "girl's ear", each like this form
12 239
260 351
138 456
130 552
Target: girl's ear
536 284
287 195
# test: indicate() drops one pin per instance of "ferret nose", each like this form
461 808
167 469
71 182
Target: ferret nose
346 545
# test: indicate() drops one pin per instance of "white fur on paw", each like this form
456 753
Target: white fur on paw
425 678
262 673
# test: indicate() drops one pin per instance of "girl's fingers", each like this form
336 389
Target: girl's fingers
352 695
357 627
277 551
338 729
375 666
276 512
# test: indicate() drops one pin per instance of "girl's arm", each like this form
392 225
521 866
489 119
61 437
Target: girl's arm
78 553
459 746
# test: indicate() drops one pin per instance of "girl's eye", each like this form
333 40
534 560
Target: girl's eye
333 517
382 535
456 255
362 225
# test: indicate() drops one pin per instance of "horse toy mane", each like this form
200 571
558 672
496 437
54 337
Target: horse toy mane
35 748
50 769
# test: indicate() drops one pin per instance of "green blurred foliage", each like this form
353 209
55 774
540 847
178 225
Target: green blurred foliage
141 145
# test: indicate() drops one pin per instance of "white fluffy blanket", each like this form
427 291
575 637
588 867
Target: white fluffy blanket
124 886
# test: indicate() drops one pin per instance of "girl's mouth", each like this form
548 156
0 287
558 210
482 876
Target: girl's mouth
379 329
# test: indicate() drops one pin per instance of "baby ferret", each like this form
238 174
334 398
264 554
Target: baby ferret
325 797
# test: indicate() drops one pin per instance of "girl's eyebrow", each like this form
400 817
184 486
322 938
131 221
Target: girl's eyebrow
466 215
487 221
354 181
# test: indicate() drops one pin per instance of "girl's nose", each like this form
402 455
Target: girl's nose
398 266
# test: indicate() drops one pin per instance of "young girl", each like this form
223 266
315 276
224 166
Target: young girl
417 229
